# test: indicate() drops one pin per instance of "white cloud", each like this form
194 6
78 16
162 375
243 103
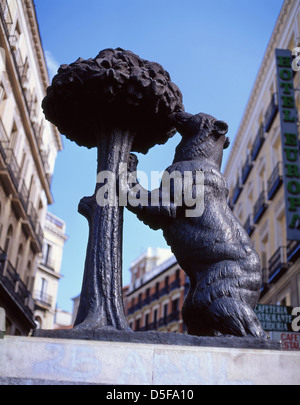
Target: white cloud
52 64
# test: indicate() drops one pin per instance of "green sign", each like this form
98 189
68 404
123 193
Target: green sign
290 143
275 318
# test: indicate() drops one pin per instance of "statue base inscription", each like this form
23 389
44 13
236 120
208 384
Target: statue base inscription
162 338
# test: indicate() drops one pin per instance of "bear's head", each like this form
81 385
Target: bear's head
203 136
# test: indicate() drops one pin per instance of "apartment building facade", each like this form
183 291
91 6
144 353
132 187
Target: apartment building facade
155 296
257 171
48 272
28 150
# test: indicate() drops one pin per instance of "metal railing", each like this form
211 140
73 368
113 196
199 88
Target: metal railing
22 68
236 192
275 180
246 169
42 297
258 142
260 207
13 167
12 282
271 113
249 225
6 17
277 262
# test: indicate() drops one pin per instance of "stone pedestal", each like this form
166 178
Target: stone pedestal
31 360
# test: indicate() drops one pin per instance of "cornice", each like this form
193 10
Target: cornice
267 59
30 13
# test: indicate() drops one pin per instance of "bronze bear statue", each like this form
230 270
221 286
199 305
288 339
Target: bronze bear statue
213 248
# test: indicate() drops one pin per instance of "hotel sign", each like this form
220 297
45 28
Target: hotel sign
290 142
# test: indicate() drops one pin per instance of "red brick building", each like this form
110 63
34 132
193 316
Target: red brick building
155 296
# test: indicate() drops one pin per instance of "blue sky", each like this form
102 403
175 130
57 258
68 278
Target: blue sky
212 50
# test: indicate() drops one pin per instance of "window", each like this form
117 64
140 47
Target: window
19 258
157 290
155 315
43 287
47 254
1 225
8 240
285 298
147 321
3 99
166 313
175 305
29 279
2 93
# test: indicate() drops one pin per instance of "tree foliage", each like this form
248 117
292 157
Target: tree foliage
117 89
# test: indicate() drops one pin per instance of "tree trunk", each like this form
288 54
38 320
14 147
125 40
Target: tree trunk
101 303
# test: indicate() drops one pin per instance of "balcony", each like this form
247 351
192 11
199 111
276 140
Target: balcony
13 167
42 298
175 284
230 203
271 113
249 225
22 67
278 263
236 192
246 169
15 288
260 207
293 251
165 290
174 316
6 17
155 296
167 319
257 145
275 181
4 141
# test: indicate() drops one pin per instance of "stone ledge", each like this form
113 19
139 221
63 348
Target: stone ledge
31 360
176 339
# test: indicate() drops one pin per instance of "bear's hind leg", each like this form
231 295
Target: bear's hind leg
233 317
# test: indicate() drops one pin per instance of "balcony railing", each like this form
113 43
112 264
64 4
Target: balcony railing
33 217
43 298
259 140
166 319
260 207
165 290
271 113
11 281
249 225
277 263
13 167
24 195
236 192
175 284
5 16
275 181
293 251
4 141
22 67
246 169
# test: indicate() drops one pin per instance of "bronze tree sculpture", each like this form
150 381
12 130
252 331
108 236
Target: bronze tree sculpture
116 102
